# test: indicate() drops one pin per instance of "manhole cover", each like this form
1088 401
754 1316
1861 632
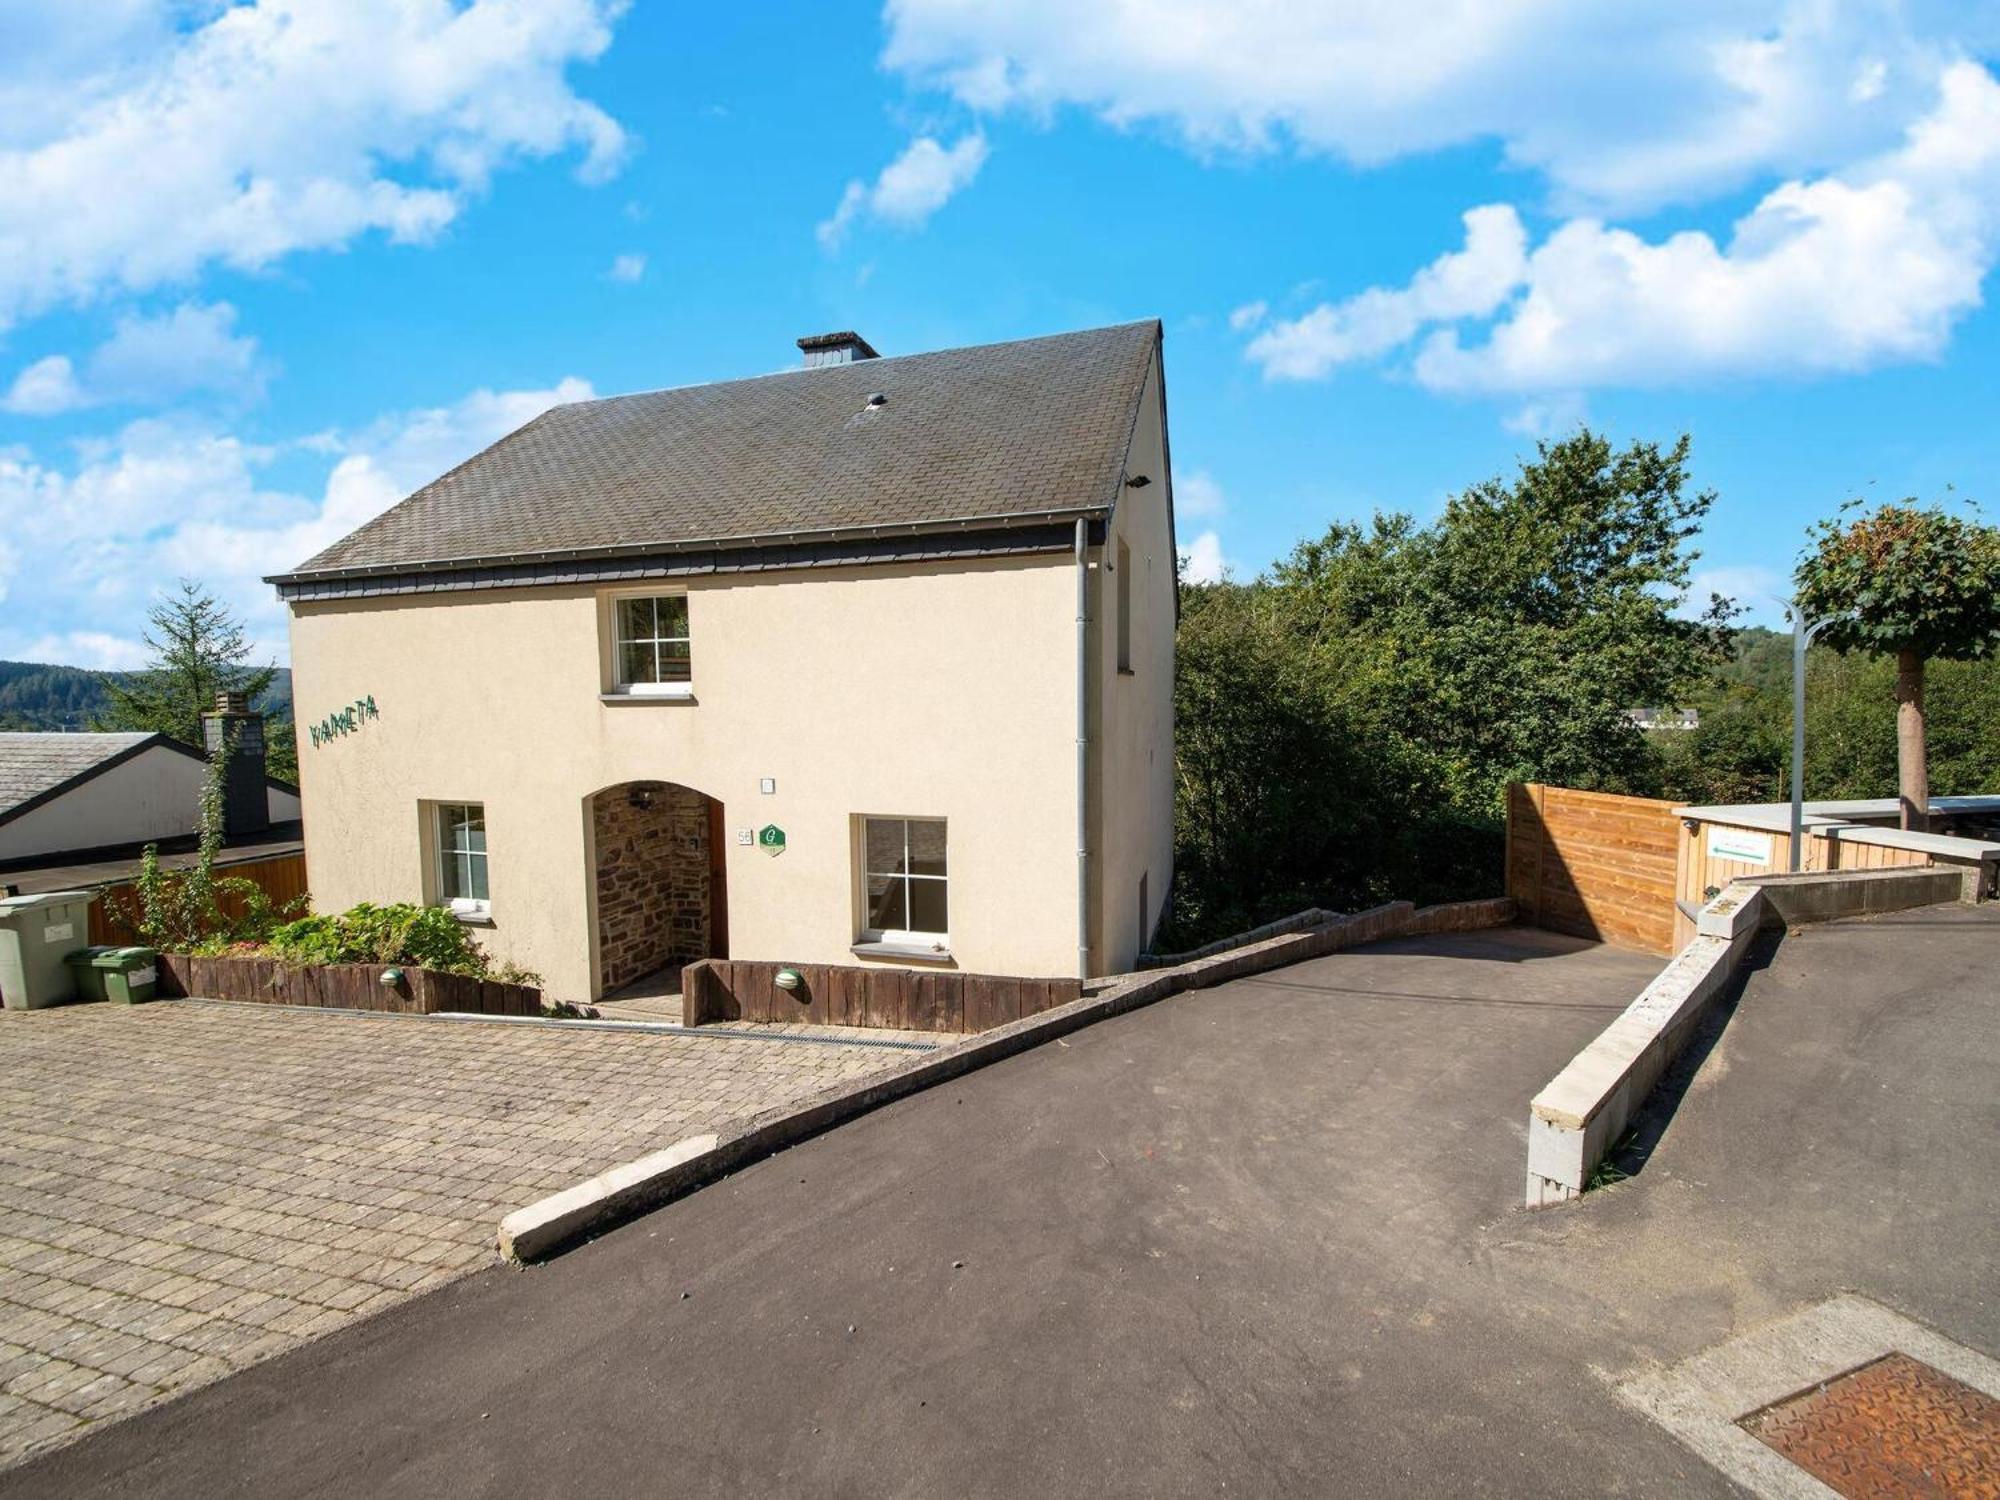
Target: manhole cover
1895 1427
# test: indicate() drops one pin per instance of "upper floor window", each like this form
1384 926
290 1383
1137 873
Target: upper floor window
903 880
653 645
461 849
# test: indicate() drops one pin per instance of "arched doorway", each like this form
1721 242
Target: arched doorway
661 893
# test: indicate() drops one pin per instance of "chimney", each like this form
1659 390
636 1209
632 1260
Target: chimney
246 801
822 349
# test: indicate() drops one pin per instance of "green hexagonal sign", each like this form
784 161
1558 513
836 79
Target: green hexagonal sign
771 839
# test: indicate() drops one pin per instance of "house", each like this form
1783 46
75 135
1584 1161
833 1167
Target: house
868 662
78 810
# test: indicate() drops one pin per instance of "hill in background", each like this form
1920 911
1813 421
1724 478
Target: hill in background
35 695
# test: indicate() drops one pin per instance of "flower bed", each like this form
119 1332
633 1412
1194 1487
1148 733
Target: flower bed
415 991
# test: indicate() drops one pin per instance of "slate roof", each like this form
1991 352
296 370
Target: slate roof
33 765
994 435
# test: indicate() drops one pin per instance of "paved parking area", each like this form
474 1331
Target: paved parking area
187 1188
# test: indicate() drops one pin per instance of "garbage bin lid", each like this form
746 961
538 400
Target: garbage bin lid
103 956
10 905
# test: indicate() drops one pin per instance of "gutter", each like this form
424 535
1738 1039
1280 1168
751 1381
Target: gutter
1082 750
742 542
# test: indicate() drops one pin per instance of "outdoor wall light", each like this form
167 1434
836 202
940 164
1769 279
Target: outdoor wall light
641 797
392 978
789 980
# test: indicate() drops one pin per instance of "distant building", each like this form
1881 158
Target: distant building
77 810
1650 719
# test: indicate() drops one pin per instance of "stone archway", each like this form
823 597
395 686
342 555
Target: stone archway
660 892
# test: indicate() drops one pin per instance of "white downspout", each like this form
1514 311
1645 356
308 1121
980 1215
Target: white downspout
1082 752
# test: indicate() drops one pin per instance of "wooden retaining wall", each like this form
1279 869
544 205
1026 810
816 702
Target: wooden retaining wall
1593 864
265 981
722 989
283 879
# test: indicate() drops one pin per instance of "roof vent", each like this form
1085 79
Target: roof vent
876 398
841 348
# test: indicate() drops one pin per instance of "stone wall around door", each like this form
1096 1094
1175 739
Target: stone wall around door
652 878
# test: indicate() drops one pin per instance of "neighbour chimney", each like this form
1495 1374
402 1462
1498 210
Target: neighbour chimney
246 801
842 348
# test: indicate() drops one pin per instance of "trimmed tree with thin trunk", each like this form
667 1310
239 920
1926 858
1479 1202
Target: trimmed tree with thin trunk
1915 583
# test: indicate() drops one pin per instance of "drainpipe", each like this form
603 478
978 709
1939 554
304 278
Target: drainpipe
1082 752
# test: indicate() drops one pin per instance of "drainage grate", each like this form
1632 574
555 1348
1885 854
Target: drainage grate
1894 1427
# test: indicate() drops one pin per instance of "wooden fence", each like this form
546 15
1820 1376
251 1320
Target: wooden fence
265 981
283 879
721 989
1593 865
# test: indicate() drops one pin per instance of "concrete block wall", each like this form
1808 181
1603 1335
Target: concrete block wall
1583 1112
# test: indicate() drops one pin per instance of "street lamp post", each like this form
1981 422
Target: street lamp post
1803 632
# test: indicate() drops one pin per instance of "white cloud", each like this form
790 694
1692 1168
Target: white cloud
627 268
148 152
148 359
1202 560
1248 316
1197 496
84 648
1655 103
166 499
1468 283
1871 265
910 189
44 388
1555 415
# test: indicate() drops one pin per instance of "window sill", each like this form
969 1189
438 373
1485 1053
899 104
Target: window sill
472 918
1127 672
905 953
625 697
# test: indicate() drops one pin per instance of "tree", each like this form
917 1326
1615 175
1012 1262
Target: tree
1917 583
198 650
1346 725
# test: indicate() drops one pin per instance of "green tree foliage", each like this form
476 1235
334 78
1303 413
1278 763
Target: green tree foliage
197 910
1915 583
1742 751
199 650
1348 725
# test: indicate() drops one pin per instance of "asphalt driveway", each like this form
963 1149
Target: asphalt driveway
1263 1239
187 1188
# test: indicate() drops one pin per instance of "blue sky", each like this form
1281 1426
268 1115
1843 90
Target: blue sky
264 269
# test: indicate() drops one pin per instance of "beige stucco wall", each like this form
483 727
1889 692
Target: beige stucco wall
1132 776
933 691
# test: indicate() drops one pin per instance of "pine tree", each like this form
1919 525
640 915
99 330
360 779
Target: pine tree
199 650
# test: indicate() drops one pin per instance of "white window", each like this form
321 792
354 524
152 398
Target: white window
653 648
461 854
903 880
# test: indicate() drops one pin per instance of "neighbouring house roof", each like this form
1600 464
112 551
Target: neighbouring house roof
37 767
992 437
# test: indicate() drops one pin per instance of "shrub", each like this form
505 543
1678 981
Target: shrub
426 937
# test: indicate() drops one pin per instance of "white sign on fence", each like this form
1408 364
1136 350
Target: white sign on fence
1739 844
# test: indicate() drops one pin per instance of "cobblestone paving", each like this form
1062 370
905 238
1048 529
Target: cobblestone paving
188 1188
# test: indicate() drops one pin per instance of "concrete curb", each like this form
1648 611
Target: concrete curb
542 1229
1582 1113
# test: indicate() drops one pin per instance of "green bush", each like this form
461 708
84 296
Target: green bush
425 937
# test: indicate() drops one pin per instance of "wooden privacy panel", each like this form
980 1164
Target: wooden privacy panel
283 879
1593 864
720 989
